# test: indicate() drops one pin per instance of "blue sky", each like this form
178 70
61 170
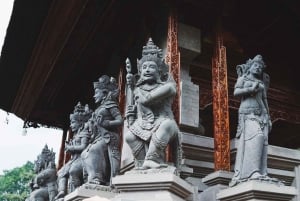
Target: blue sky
15 148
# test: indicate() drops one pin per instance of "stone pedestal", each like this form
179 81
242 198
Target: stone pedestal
257 191
140 186
90 190
216 181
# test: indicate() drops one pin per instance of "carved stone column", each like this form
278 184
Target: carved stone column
220 107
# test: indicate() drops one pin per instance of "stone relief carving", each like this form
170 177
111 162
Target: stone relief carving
150 120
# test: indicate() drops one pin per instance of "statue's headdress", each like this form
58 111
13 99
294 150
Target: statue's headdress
81 113
244 68
108 83
151 52
46 158
258 58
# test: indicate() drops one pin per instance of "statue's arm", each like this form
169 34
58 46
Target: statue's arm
166 90
117 121
80 147
43 175
241 90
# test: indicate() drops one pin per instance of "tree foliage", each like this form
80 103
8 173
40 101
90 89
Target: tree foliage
14 183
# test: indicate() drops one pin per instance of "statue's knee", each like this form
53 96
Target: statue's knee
129 137
74 172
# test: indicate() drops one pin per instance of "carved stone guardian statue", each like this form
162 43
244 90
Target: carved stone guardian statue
150 121
101 159
70 176
254 122
44 186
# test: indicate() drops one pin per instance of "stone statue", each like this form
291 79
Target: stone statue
70 176
150 121
254 121
43 186
101 158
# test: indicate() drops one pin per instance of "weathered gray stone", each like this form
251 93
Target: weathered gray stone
70 176
254 122
101 159
216 181
189 41
90 190
152 187
150 121
218 177
281 161
43 186
255 190
296 183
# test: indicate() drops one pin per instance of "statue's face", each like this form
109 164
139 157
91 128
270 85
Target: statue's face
74 125
99 95
36 167
256 68
38 164
149 71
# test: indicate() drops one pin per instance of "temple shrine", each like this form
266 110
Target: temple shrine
55 50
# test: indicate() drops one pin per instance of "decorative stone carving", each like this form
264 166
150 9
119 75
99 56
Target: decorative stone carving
44 186
150 120
70 176
101 159
254 122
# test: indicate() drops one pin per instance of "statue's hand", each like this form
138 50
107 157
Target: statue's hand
105 123
270 125
254 87
130 111
129 79
68 148
143 99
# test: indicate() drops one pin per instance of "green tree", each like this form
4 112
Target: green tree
14 183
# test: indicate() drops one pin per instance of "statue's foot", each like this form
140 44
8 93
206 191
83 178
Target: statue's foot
97 181
256 175
149 164
60 194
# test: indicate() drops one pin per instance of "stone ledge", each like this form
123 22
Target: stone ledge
254 190
218 177
153 182
90 190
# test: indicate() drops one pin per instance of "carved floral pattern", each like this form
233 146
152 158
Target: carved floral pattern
220 107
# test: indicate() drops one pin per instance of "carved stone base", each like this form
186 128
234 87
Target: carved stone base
90 190
256 190
137 186
216 181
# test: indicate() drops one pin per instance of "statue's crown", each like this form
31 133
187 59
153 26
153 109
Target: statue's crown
45 150
152 49
47 154
79 108
258 58
151 52
106 82
81 113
